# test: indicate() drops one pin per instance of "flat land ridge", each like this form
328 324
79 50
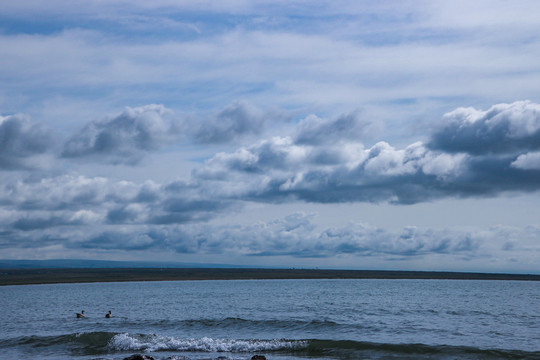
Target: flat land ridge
86 275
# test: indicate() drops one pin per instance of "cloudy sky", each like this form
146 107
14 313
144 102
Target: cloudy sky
332 134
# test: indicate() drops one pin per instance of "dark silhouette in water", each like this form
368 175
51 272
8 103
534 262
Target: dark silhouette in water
81 314
139 357
108 315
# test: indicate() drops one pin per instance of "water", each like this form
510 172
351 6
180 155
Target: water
280 319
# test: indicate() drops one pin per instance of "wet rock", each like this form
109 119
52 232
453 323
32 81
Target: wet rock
139 357
258 357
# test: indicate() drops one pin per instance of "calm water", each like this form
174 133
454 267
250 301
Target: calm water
281 319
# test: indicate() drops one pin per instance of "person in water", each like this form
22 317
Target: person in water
108 315
81 314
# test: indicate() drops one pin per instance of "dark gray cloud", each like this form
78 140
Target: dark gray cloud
126 214
20 140
125 138
502 129
314 130
238 119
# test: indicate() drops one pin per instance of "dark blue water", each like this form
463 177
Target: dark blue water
281 319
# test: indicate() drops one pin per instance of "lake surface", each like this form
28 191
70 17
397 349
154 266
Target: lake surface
280 319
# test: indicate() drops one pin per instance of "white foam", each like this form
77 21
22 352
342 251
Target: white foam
130 342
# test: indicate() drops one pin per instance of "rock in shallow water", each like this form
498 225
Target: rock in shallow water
139 357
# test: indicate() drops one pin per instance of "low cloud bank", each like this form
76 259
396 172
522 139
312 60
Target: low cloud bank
297 236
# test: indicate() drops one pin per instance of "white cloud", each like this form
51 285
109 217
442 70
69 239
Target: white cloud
296 236
528 161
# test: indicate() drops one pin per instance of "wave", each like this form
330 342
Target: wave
346 349
101 343
131 342
106 342
86 343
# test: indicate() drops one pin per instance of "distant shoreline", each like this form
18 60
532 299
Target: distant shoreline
89 275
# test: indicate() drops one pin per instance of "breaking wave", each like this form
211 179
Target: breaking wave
99 343
137 342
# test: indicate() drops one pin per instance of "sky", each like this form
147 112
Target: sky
399 135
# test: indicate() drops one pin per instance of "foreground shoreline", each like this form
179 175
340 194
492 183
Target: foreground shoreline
88 275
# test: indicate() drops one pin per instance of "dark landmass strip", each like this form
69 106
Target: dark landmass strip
52 276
